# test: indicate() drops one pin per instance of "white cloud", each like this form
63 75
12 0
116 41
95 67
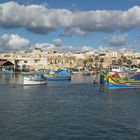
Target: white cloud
39 19
63 48
13 42
57 42
87 48
52 46
118 40
44 46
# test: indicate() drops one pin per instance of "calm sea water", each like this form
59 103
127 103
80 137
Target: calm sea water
74 110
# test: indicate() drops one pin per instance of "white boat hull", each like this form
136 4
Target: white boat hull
27 81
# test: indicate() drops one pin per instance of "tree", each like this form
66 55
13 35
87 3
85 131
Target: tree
96 58
114 62
85 62
129 62
90 60
101 60
119 62
124 59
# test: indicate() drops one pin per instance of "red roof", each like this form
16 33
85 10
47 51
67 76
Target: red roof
2 62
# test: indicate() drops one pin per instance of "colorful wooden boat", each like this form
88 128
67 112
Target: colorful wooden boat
119 75
116 83
62 75
53 77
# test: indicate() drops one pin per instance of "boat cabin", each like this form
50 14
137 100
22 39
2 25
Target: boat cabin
117 68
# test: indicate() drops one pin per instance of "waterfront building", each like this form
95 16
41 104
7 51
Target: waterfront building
6 65
54 59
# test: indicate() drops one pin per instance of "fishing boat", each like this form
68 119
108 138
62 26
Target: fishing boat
58 76
54 77
117 83
34 80
135 76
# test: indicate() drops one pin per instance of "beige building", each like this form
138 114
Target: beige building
38 59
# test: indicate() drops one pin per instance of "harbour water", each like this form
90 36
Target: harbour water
72 110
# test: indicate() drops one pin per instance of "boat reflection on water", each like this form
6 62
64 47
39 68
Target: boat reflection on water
17 79
78 78
10 79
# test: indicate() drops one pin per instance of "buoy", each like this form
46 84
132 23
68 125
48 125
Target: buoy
101 88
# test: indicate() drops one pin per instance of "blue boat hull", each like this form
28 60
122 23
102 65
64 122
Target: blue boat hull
58 78
114 86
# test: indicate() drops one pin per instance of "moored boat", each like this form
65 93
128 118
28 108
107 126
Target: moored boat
34 80
50 77
58 76
116 83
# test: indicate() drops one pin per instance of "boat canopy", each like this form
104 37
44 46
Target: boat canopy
63 73
135 76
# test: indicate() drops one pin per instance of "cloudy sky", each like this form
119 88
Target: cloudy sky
69 24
